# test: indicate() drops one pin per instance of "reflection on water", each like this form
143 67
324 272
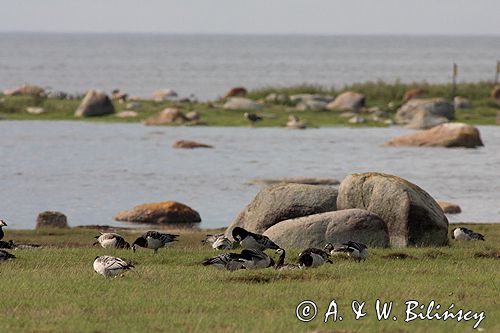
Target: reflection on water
92 171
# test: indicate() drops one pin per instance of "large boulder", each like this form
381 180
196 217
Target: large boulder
348 100
166 212
438 107
445 135
95 103
425 120
52 220
332 227
240 103
167 116
412 216
282 202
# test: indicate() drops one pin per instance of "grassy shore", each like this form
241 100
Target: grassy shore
54 289
387 96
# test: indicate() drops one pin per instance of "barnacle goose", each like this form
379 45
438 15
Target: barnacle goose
251 241
109 266
154 240
111 240
466 234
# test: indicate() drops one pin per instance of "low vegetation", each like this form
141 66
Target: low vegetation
387 96
54 288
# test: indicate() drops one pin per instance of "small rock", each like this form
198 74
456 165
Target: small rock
240 103
57 94
357 120
164 95
445 135
167 116
449 207
190 144
312 104
35 110
235 92
133 106
51 219
25 89
295 123
275 98
118 95
166 212
127 114
414 93
348 114
95 103
193 116
348 100
462 103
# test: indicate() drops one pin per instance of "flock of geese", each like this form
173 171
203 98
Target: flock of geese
252 256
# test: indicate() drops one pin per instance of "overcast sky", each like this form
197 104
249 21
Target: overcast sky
254 16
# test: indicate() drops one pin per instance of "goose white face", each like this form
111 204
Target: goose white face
2 223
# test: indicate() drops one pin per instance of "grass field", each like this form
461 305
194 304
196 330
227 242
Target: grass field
54 289
387 96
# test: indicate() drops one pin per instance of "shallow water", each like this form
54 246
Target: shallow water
91 171
208 65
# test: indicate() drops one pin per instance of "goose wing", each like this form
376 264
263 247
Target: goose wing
264 241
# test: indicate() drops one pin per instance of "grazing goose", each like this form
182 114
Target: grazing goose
4 255
227 261
154 240
110 266
252 117
251 241
280 265
358 251
254 259
312 257
2 224
111 240
466 234
11 245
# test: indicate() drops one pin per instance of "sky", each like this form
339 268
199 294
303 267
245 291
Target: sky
325 17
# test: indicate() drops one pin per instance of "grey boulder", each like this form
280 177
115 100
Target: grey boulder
437 107
95 103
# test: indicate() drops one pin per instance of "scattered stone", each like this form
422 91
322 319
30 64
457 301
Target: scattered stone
297 180
193 116
35 110
166 212
435 106
127 114
57 94
423 119
275 98
414 93
412 216
313 105
445 135
460 102
348 114
189 144
357 120
133 106
95 103
240 103
164 95
348 100
25 89
449 207
235 92
295 99
282 202
167 116
52 220
118 95
295 123
332 227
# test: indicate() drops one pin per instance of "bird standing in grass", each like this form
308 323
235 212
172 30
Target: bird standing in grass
154 240
357 251
2 224
313 257
109 266
252 117
111 240
227 261
466 234
4 255
249 240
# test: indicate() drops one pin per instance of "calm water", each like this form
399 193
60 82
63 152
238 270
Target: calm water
207 65
91 171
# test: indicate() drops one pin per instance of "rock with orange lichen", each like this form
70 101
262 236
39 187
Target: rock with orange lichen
166 212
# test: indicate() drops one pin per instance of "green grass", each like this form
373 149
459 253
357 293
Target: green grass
55 289
387 96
